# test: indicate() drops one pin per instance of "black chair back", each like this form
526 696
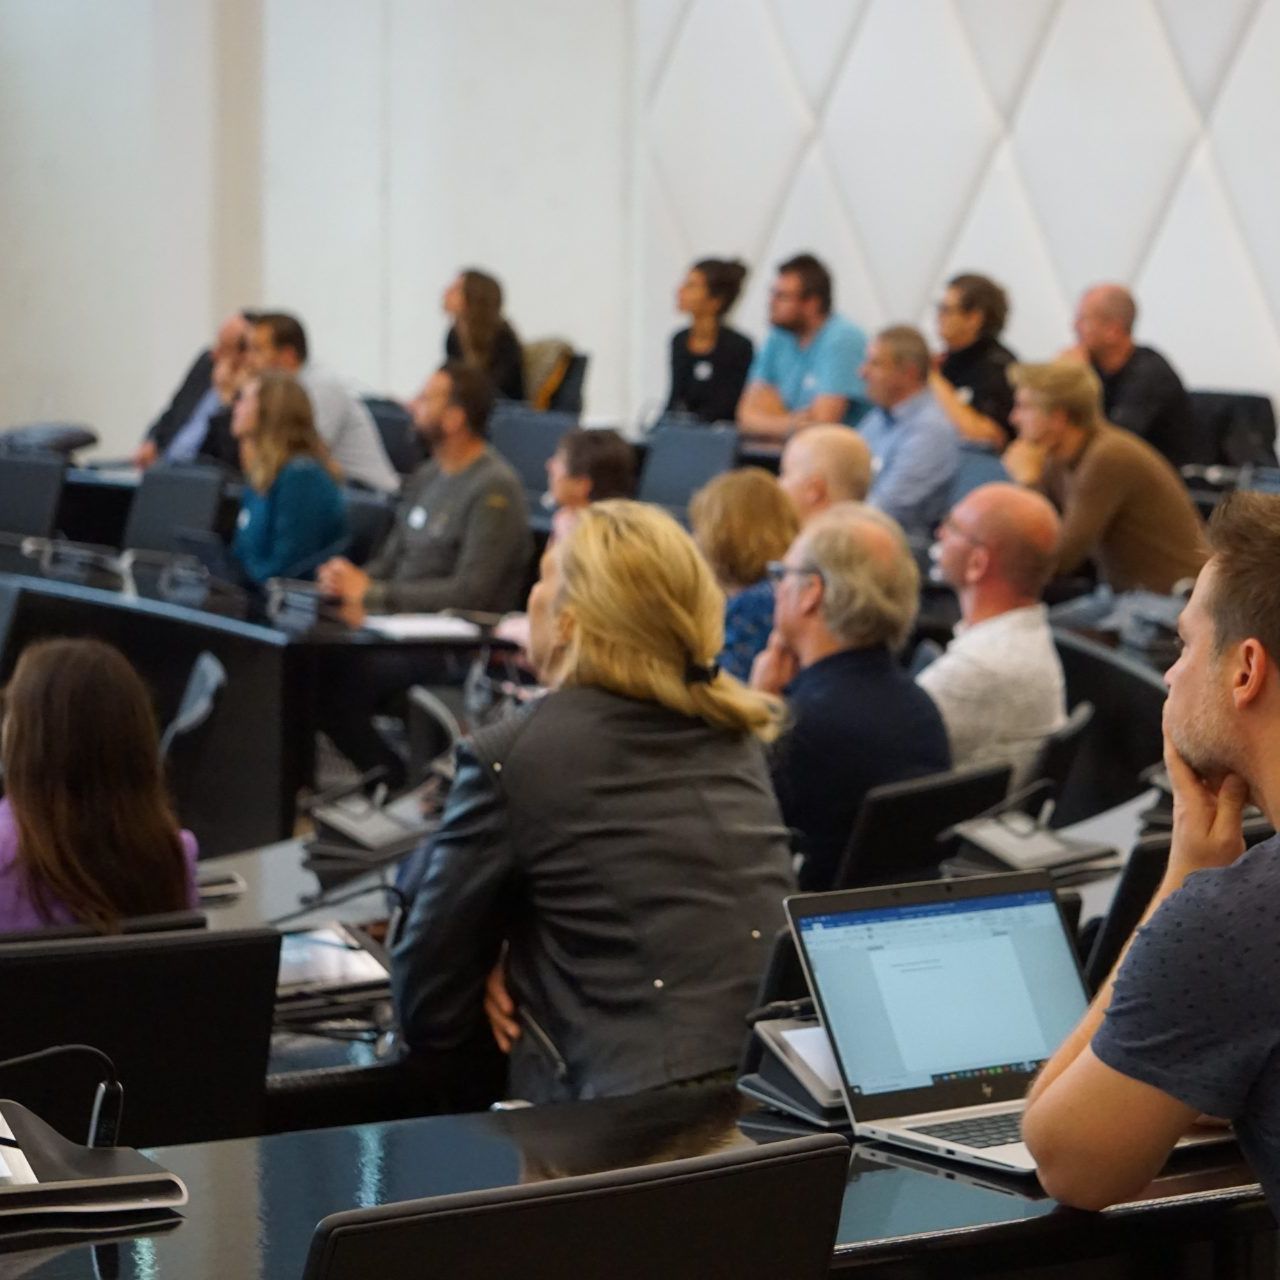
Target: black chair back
161 922
680 460
1142 873
751 1213
433 730
1235 428
30 489
169 499
527 438
568 396
395 427
895 837
369 519
1057 755
185 1017
1124 736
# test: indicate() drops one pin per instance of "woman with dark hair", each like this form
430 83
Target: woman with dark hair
87 835
292 517
709 361
479 334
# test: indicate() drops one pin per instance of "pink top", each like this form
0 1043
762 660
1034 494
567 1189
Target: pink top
18 913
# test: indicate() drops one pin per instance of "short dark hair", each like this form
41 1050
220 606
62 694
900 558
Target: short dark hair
981 293
472 391
286 331
724 279
1244 538
815 279
603 457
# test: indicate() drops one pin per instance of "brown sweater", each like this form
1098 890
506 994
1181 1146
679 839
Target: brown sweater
1124 507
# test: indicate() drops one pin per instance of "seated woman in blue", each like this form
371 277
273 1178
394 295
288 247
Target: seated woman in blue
742 520
293 517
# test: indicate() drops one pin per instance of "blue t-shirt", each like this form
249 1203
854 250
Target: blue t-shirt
829 365
748 619
1196 1009
290 530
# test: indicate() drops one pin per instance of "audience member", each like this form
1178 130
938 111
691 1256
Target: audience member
807 370
1123 505
194 425
619 836
709 361
971 383
1140 389
1188 1024
480 335
741 521
292 516
847 594
821 466
915 449
460 541
589 465
999 685
278 341
86 832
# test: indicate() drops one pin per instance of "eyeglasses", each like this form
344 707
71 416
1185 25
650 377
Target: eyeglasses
776 570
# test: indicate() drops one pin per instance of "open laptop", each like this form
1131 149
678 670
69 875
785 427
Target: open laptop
942 1000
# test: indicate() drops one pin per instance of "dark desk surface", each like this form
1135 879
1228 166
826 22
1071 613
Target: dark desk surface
255 1202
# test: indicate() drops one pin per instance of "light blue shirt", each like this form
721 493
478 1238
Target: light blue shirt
915 454
827 366
186 445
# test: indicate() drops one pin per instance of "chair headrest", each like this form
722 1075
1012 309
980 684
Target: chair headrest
47 437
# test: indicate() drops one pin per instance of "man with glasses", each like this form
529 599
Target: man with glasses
999 685
807 369
846 599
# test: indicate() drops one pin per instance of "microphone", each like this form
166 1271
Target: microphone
108 1101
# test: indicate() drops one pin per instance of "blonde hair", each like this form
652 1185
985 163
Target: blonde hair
741 520
286 430
1069 385
871 586
644 614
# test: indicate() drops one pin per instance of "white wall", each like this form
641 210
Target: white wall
1048 143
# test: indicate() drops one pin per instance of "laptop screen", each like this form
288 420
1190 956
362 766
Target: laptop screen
917 996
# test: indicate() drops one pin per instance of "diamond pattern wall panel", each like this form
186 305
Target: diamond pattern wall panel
1049 143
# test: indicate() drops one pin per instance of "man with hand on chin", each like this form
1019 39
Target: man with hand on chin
1190 1022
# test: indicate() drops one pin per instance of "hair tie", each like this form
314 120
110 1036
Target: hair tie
696 673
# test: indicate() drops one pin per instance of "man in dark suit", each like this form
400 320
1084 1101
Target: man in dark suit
846 599
195 424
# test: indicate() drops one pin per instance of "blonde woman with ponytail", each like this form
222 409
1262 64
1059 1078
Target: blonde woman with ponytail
615 849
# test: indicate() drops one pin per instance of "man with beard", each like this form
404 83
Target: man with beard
1190 1022
807 369
460 541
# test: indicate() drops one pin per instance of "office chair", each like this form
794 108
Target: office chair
161 922
567 397
30 490
395 426
369 520
62 438
1142 873
750 1213
433 730
895 837
680 460
1234 428
1058 752
978 466
172 498
185 1017
527 438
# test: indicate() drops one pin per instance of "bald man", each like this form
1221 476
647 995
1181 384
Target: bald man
999 685
195 426
822 466
1140 389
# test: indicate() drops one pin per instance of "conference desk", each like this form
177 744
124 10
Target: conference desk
255 1202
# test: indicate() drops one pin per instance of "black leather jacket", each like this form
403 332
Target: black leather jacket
635 861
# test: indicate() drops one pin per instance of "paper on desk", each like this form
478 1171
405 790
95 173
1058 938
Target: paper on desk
811 1044
423 626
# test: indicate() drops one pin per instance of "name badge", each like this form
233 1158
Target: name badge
810 381
702 370
964 395
242 520
418 518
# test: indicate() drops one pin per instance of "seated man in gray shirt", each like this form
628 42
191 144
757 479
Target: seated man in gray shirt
1190 1023
460 541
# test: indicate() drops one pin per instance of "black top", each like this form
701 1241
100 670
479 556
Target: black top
506 361
709 386
1147 397
635 862
982 370
858 721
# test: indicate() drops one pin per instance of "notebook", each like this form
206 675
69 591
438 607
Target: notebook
942 1000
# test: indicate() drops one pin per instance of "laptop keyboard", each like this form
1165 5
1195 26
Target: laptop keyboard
981 1131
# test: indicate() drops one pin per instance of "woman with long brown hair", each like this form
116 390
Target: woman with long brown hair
293 516
87 834
480 335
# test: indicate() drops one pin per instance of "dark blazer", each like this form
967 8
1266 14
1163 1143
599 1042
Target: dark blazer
635 862
198 380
